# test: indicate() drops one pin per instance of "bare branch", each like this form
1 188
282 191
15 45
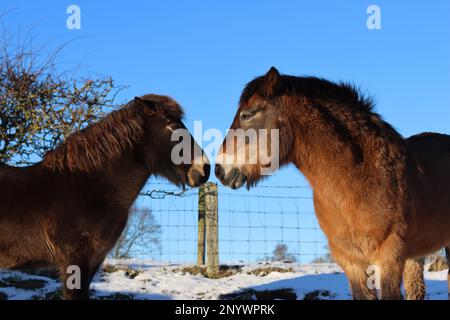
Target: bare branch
39 105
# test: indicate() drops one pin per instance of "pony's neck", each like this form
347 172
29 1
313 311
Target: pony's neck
340 150
322 161
126 177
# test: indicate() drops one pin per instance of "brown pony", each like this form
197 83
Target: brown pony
70 209
379 198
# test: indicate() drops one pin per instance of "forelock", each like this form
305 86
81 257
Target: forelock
164 105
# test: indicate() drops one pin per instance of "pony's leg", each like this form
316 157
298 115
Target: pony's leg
96 265
87 267
358 280
390 258
356 274
75 273
413 279
391 269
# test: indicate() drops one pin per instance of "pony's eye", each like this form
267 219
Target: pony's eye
246 115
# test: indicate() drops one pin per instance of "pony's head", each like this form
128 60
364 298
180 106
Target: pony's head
258 142
143 129
167 148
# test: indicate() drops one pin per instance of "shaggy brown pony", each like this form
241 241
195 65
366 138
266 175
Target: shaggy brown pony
380 199
71 208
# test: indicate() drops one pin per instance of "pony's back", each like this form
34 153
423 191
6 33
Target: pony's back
429 155
429 165
431 151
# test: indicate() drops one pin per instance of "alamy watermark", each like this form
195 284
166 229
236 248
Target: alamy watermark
373 21
74 279
374 279
242 147
73 21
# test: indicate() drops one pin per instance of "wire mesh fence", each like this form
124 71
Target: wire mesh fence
266 223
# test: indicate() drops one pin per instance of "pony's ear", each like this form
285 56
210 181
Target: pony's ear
148 104
139 100
271 79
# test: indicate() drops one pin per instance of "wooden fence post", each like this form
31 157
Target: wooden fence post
212 230
201 227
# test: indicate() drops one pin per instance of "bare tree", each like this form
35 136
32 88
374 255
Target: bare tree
280 253
141 233
39 105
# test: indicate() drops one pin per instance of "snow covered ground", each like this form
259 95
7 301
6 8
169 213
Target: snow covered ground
137 279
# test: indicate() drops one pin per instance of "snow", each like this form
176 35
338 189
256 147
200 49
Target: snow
156 280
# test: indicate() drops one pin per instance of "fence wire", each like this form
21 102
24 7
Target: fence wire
252 225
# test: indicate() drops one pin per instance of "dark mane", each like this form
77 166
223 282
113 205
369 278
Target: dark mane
88 149
311 87
108 139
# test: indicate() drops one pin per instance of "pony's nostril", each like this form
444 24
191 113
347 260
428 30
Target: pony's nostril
220 173
206 169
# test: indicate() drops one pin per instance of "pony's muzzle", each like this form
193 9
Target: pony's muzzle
198 174
234 178
220 173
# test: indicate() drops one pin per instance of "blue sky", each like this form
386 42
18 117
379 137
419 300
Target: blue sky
202 52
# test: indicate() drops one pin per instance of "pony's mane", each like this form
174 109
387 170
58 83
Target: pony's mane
90 148
312 87
341 106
